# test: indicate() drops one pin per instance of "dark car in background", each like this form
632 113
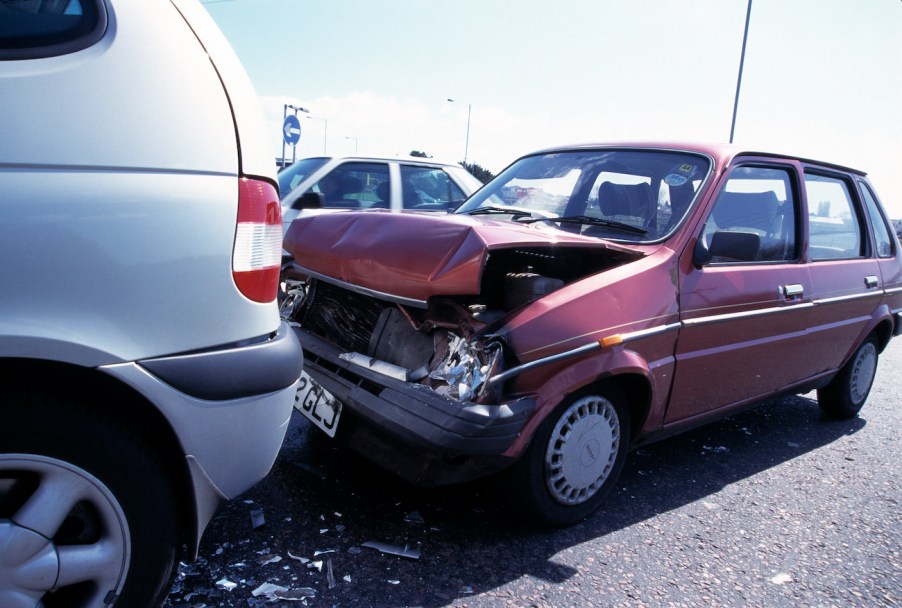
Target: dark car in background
588 300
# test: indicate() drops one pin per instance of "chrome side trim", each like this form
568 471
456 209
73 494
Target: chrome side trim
362 290
576 352
746 314
892 290
854 296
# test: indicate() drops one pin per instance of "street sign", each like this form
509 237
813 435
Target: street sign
291 130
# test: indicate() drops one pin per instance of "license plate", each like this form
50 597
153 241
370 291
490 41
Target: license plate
317 404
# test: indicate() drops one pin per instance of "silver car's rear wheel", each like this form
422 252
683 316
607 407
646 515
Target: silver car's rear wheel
582 450
65 529
88 509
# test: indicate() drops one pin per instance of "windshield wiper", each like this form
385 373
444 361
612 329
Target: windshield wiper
487 210
592 221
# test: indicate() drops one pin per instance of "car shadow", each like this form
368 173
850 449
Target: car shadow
321 497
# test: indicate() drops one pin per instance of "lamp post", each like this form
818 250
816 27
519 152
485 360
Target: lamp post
294 148
745 37
325 130
354 137
467 144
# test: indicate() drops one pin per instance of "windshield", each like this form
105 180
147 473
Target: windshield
294 174
628 195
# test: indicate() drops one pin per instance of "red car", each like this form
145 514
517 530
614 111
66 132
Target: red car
586 301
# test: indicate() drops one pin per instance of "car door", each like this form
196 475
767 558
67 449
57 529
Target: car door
846 283
743 315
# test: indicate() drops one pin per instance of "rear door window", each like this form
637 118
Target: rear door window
834 224
42 28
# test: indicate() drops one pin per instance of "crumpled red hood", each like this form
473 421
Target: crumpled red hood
413 255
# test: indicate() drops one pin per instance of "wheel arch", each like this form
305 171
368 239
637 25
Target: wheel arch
30 376
636 390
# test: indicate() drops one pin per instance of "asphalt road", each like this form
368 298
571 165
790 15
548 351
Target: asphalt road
776 506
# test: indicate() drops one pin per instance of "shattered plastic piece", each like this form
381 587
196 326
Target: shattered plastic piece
466 590
225 584
323 552
303 560
346 578
393 582
414 517
781 578
272 559
404 551
276 592
317 564
323 530
330 575
257 518
354 550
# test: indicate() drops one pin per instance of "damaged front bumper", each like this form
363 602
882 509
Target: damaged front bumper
411 420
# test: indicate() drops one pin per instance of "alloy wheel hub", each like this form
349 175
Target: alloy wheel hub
29 565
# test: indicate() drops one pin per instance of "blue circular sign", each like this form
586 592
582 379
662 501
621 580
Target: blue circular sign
291 129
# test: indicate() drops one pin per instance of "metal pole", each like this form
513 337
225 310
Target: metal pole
745 38
284 116
467 144
294 148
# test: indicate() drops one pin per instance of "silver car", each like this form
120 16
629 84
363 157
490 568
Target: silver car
147 376
319 183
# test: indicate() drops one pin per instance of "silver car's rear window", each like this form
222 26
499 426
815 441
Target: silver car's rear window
30 29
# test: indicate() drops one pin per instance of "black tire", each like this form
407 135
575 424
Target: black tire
848 391
573 461
89 486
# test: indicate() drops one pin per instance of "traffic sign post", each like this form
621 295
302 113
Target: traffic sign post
291 130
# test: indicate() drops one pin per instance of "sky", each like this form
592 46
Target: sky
822 79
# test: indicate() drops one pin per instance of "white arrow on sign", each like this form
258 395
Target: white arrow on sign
291 130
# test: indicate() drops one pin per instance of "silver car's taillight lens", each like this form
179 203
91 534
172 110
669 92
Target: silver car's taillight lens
258 240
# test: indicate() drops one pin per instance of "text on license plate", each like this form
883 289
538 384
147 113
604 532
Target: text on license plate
317 404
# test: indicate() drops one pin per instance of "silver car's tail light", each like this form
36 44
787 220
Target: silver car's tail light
258 240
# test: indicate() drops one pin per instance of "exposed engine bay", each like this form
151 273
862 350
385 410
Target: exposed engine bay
454 344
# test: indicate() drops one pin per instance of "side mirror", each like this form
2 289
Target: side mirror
736 246
310 200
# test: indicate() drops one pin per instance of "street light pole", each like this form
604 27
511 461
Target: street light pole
467 144
745 38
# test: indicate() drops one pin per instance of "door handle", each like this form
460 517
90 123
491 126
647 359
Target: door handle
871 281
792 291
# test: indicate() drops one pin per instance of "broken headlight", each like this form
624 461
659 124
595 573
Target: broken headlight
463 371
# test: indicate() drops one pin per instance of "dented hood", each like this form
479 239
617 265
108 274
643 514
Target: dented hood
415 255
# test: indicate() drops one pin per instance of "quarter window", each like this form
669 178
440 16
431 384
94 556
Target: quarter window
882 238
833 222
758 206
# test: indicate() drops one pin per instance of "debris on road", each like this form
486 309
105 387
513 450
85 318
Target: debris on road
404 551
257 518
274 592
